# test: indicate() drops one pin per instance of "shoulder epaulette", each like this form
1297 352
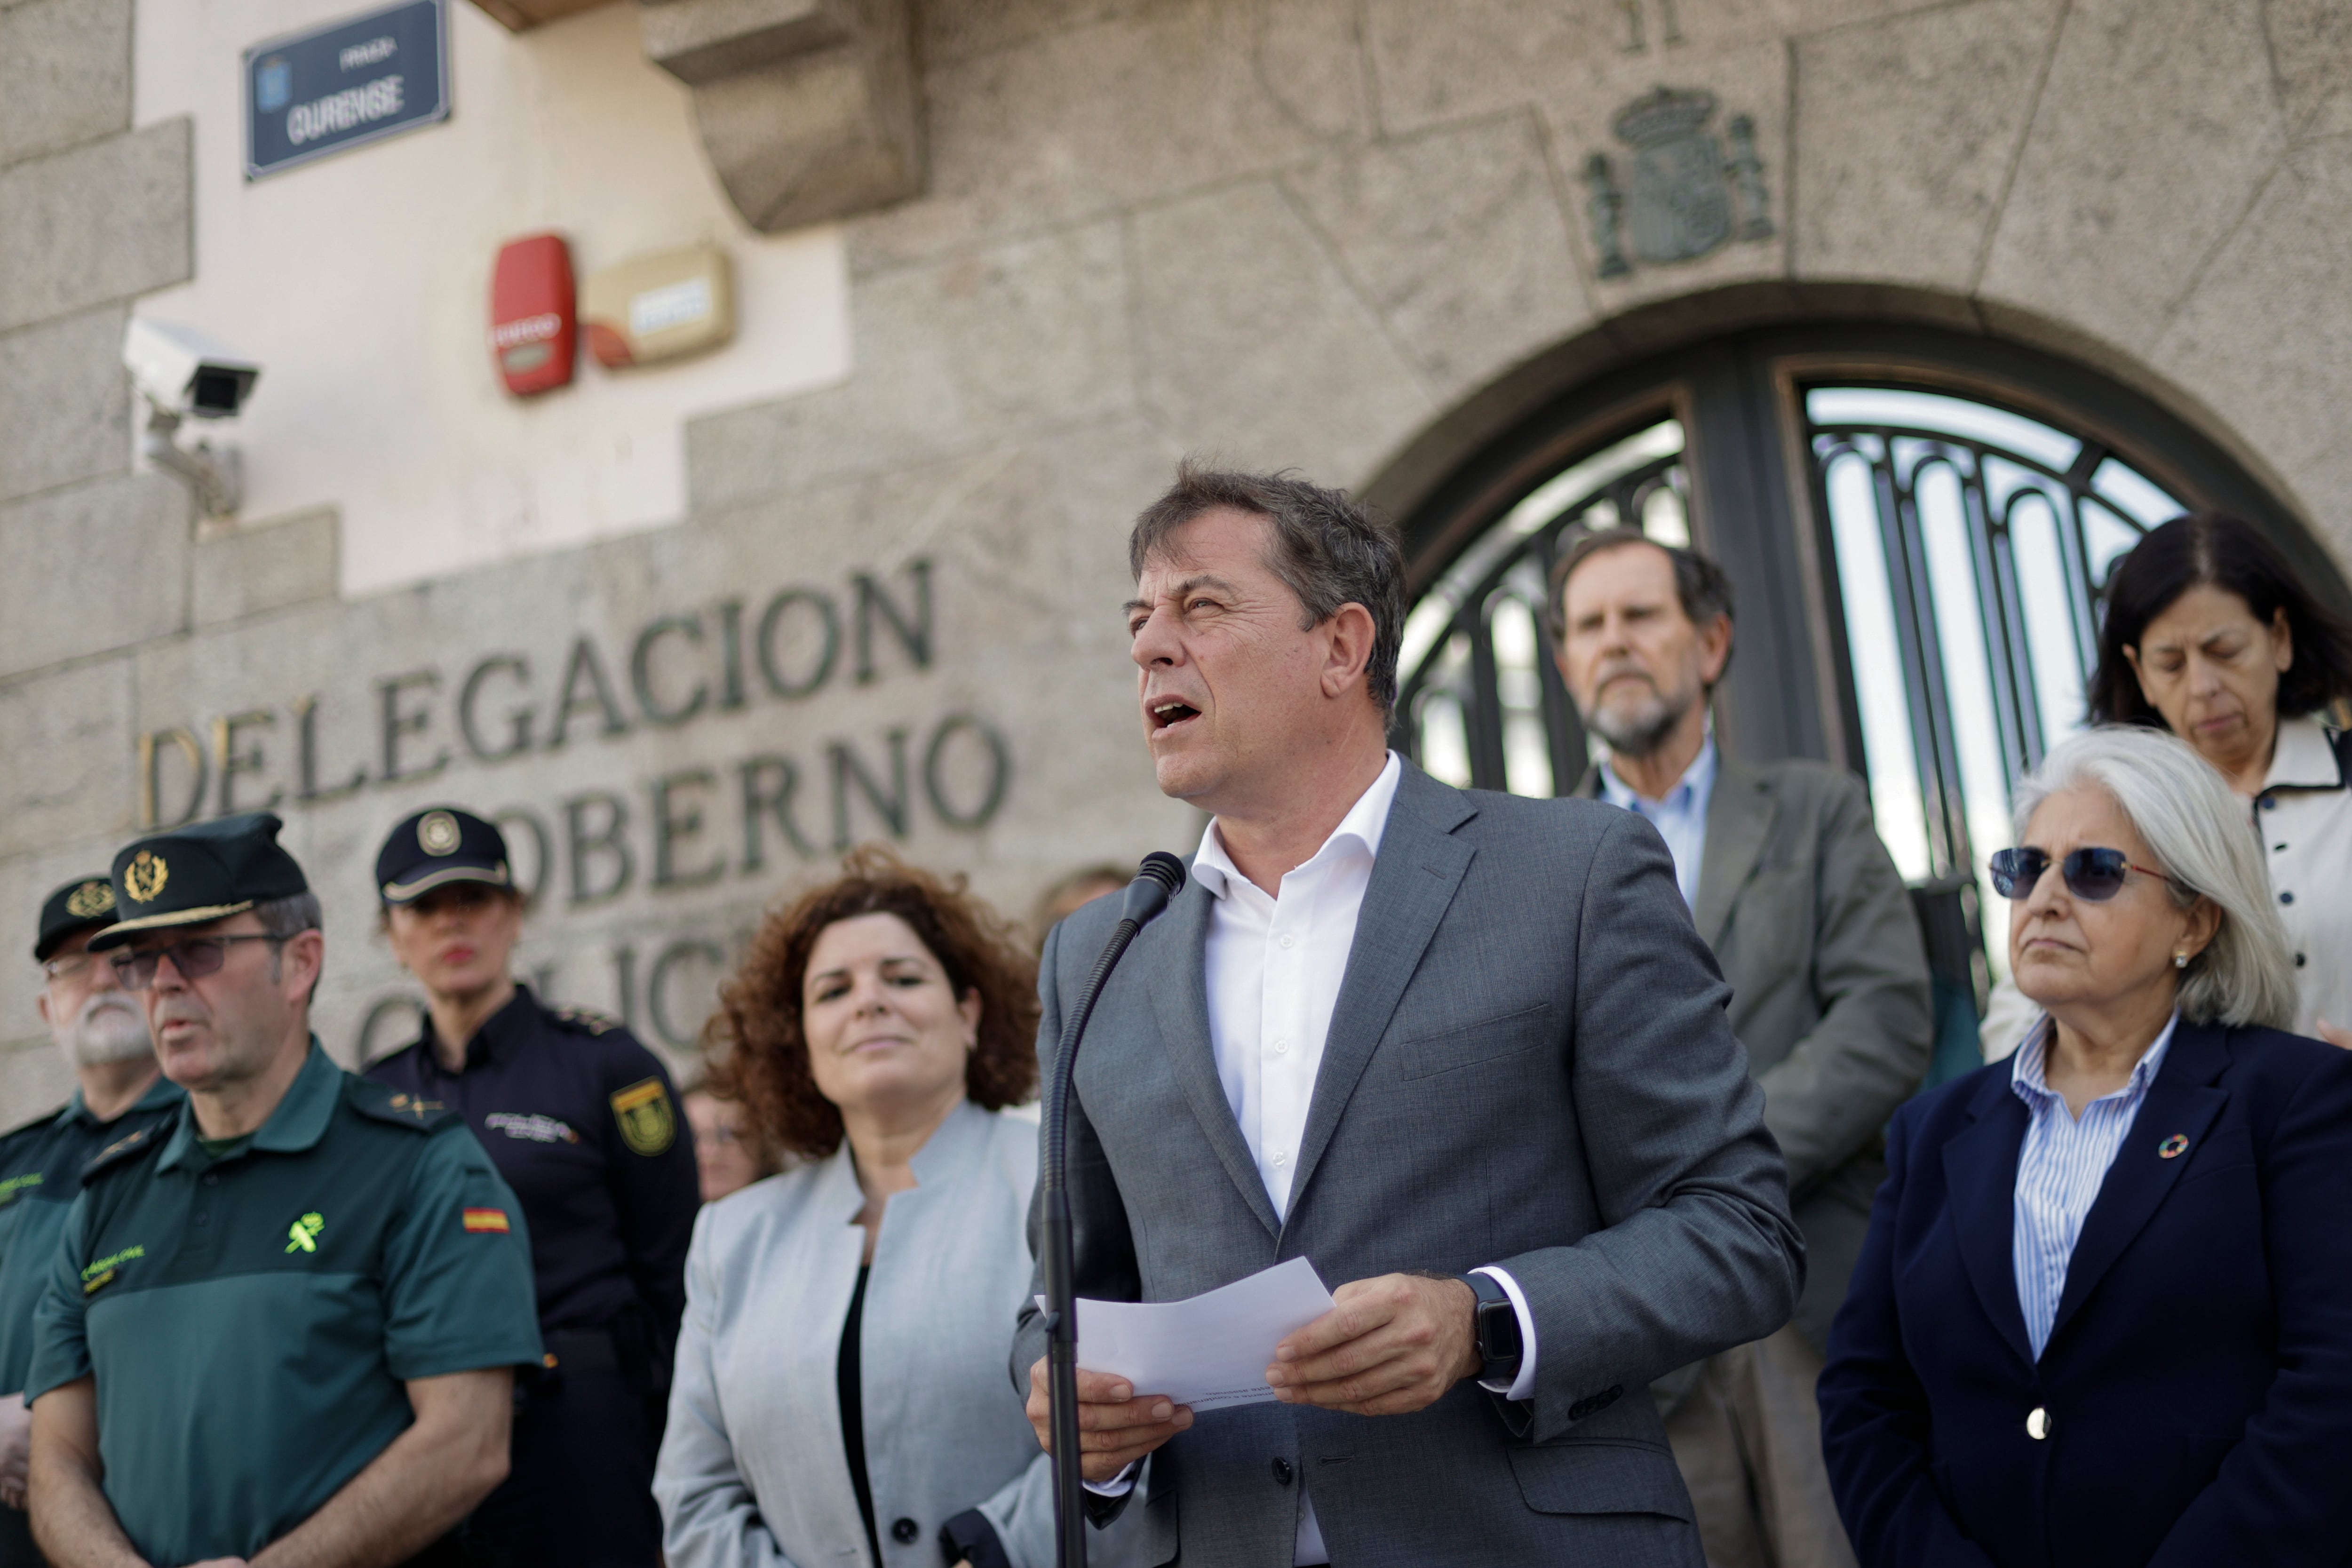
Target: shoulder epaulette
381 1102
585 1020
125 1148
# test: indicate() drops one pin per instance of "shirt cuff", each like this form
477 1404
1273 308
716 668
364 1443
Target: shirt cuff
1524 1385
1119 1485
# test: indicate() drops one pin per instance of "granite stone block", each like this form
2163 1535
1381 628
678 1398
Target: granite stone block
249 571
1256 350
949 356
65 74
65 402
68 738
92 567
104 220
1906 133
1457 240
2156 129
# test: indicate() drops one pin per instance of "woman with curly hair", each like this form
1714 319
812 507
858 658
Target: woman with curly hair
841 1391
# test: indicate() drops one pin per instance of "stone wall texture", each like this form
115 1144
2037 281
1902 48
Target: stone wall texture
1332 235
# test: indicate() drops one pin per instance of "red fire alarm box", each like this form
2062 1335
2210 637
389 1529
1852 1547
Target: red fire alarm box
533 326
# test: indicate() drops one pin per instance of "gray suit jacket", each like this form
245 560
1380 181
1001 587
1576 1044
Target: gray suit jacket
1528 1065
752 1472
1809 919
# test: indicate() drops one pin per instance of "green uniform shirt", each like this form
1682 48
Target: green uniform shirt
251 1319
41 1175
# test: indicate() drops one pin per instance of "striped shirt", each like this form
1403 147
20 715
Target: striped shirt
2061 1170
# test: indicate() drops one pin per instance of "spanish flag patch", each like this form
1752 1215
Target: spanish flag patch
486 1219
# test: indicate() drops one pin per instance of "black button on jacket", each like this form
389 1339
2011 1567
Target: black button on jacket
583 1123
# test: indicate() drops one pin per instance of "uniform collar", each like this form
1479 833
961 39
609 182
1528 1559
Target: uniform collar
159 1094
499 1031
298 1123
1365 821
2303 757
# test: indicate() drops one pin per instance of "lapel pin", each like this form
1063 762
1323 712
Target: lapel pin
2172 1147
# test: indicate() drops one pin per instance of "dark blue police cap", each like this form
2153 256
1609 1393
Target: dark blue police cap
436 848
86 904
205 871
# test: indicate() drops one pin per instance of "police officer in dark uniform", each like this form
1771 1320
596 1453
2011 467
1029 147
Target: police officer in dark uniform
582 1122
118 1090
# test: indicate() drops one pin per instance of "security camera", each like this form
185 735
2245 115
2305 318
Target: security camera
182 372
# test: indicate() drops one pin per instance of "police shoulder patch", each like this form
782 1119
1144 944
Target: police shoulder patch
381 1102
648 1123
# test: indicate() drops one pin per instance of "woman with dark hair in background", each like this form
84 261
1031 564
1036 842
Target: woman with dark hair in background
2211 634
842 1392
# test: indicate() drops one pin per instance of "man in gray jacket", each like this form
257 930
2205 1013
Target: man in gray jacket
1463 1052
1790 885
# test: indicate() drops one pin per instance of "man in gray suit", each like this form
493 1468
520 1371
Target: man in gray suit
1790 885
1464 1052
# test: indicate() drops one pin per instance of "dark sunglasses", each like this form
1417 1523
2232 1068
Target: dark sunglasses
2096 875
192 956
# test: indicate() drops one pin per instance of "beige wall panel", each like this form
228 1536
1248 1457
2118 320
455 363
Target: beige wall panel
65 402
2266 339
1457 240
65 73
1256 350
100 221
1135 108
1025 336
2157 127
33 1079
93 567
1906 132
67 738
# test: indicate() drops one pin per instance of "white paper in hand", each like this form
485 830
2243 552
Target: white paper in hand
1209 1351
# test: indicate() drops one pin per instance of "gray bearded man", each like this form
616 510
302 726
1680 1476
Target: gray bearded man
1789 884
1464 1052
118 1090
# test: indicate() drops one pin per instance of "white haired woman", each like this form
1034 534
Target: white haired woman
2104 1316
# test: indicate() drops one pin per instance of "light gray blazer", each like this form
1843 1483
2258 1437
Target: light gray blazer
752 1473
1528 1065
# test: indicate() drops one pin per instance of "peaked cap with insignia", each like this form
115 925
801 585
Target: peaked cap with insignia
436 848
86 904
205 871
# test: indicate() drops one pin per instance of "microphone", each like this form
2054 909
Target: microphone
1157 880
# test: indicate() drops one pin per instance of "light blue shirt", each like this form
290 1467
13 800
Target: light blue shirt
1680 818
2061 1170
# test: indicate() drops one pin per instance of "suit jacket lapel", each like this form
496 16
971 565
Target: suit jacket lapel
1738 819
2182 1100
1414 879
1180 1001
1980 1187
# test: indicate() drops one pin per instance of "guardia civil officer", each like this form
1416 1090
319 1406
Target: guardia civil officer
118 1090
582 1122
281 1326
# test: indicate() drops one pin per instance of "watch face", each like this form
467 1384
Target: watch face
1498 1332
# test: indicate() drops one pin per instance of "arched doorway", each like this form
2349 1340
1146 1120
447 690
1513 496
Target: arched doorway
1918 524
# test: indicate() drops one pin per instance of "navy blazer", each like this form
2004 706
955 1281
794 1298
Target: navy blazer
2198 1377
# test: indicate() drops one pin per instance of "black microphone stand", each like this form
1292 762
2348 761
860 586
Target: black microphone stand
1158 880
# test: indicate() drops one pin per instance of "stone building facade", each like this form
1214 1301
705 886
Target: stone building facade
1363 238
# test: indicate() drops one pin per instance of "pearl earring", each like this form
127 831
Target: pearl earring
2180 961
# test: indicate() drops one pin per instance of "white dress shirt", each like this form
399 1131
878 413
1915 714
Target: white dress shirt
1680 818
1273 967
2061 1170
